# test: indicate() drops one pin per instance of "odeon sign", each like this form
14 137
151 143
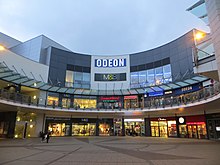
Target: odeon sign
110 63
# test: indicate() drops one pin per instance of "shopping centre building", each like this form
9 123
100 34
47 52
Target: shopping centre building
169 91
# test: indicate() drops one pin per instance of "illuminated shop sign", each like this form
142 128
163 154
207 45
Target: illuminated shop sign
110 77
168 92
110 63
84 120
102 98
181 120
130 97
158 93
188 89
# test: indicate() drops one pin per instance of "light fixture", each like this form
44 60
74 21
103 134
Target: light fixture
16 136
2 48
199 35
18 118
34 97
35 84
31 126
31 120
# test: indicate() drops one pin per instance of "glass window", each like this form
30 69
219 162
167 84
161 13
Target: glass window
142 76
150 77
69 76
167 68
134 78
85 103
86 77
78 76
159 75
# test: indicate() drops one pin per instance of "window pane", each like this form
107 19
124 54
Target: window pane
86 77
167 68
142 77
134 78
78 76
69 76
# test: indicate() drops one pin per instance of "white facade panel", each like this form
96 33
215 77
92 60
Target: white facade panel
108 66
23 64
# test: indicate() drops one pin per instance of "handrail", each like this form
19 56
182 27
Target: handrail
148 103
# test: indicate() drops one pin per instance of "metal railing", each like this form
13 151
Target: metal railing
147 103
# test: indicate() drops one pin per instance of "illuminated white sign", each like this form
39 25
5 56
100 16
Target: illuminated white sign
181 120
217 128
110 63
134 120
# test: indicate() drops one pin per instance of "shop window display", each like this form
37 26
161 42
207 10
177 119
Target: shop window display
57 129
85 103
172 132
52 101
83 129
134 128
104 129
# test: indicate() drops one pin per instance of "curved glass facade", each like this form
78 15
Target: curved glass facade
151 77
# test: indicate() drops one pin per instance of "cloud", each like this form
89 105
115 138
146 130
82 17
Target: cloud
99 27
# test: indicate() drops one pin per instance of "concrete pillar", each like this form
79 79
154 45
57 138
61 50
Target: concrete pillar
213 11
147 127
39 124
123 126
97 127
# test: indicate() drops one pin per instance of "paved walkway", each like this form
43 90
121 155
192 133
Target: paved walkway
109 151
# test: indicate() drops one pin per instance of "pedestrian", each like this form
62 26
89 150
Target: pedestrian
48 136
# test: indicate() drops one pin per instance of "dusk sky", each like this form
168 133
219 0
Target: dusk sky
100 27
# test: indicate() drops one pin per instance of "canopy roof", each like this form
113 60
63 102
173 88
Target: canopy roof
11 76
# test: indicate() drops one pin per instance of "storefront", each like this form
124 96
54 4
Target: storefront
192 127
130 102
163 127
7 124
52 101
106 127
118 126
82 102
58 126
134 127
109 102
213 125
83 127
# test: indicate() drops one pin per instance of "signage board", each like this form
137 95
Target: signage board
110 63
110 77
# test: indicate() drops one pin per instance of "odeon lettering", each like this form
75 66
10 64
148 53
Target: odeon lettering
110 62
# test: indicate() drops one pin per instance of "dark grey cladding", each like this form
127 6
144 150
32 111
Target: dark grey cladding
179 53
60 60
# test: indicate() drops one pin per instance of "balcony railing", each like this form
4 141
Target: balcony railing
146 103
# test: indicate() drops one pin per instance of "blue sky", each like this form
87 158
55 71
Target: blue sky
100 27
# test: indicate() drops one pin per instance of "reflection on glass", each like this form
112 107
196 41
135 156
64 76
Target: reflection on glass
151 77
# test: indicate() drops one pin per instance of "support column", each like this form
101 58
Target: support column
123 126
147 127
97 127
177 126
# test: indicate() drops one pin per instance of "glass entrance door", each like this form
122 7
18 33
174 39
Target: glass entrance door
155 131
192 131
163 128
